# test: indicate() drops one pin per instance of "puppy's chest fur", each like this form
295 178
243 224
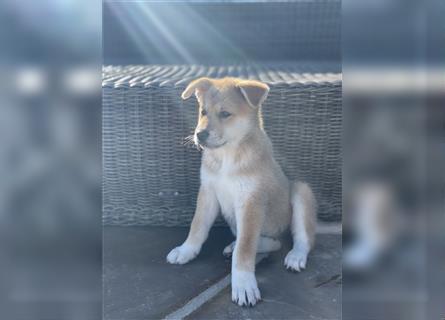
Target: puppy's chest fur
231 187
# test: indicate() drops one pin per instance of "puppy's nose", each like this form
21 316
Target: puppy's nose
202 135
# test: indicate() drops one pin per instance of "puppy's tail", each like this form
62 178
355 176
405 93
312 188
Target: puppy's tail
304 215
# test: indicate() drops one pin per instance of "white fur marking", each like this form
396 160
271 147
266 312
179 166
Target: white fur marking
182 254
301 238
230 190
296 259
244 288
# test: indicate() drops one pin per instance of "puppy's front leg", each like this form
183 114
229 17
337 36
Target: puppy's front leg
249 222
205 214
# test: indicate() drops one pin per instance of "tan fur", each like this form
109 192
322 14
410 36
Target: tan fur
206 211
250 225
240 176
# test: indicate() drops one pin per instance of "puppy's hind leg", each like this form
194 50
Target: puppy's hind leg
302 226
265 244
228 250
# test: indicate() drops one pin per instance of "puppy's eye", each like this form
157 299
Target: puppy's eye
203 112
224 114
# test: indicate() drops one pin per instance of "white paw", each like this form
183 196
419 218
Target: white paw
245 290
182 254
229 249
296 259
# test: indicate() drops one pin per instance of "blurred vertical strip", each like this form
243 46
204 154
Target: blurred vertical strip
50 159
394 159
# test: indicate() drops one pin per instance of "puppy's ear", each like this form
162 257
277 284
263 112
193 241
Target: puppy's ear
254 92
196 87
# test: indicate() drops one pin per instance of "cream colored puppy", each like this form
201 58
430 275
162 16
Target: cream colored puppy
240 177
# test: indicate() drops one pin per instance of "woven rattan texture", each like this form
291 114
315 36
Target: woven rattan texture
150 177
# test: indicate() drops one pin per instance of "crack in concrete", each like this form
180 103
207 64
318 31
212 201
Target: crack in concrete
331 279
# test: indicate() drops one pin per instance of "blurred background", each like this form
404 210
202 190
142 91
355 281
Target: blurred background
50 152
50 160
393 174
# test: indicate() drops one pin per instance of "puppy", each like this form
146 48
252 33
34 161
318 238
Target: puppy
240 178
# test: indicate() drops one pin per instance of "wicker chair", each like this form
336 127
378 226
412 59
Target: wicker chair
150 177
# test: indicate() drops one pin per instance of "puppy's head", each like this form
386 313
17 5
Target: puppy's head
228 109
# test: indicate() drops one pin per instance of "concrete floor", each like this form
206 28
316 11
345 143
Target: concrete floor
139 284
